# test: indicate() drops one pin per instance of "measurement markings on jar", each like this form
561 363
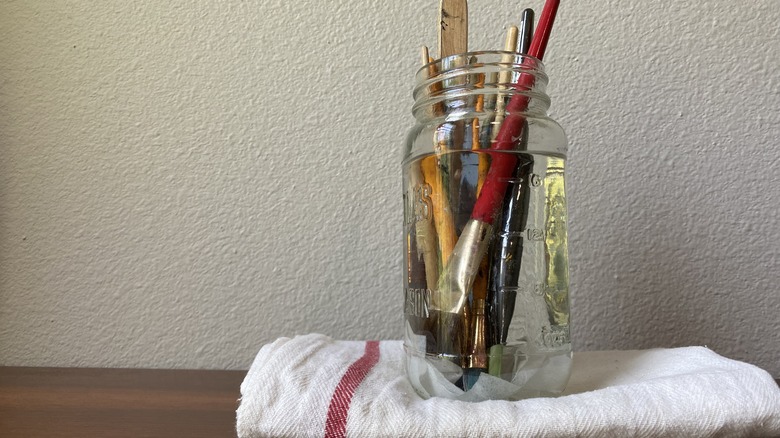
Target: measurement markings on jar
534 180
555 336
537 289
532 234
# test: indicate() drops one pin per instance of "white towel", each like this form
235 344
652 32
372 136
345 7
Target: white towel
314 386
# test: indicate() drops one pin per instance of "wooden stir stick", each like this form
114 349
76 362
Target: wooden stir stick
505 77
453 27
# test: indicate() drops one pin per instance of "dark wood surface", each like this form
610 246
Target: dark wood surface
89 402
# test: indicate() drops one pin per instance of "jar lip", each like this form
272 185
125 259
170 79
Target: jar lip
525 61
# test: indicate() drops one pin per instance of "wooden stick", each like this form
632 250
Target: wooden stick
453 27
441 233
479 107
505 76
424 55
453 43
431 170
442 219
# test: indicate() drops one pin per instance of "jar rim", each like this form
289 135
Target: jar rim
526 61
455 77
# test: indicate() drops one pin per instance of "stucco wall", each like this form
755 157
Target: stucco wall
183 181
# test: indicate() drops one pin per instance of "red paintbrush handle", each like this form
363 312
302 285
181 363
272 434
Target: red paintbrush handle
503 164
543 30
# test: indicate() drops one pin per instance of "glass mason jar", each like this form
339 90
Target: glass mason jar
486 282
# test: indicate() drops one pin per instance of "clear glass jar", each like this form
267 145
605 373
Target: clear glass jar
486 283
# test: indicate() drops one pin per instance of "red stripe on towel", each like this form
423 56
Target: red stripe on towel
336 422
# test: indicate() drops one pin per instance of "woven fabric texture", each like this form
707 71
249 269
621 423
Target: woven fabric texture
314 386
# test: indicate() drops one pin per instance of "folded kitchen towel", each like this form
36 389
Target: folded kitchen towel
314 386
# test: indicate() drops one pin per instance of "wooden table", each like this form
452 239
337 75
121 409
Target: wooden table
88 402
96 402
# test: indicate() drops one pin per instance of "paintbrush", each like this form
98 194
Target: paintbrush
458 275
508 247
476 359
453 41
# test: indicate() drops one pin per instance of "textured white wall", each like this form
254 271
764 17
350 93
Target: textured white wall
183 181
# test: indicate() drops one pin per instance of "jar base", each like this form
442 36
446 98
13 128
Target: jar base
535 375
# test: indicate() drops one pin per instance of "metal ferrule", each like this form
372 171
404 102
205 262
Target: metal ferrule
458 276
477 357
